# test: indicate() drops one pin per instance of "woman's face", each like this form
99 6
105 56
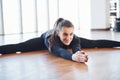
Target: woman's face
66 35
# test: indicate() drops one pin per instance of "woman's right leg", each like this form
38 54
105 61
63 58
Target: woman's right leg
29 45
87 43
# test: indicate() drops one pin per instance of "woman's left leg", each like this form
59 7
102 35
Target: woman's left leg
87 43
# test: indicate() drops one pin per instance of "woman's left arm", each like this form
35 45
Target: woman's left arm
79 56
75 44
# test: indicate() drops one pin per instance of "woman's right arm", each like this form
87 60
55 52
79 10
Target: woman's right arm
78 56
61 52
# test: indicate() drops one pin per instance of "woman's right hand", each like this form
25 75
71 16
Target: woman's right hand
80 56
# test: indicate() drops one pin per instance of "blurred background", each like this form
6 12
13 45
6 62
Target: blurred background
38 16
23 16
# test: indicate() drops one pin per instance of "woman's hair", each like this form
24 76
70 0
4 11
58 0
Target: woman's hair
59 24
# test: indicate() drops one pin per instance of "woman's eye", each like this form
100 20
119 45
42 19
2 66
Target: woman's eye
71 34
65 34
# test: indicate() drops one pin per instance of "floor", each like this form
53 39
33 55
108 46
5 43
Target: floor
103 64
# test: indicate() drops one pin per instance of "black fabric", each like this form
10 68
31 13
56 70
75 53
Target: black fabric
87 43
29 45
117 25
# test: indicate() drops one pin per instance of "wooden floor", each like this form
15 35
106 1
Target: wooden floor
103 64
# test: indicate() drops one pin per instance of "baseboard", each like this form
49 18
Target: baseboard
104 29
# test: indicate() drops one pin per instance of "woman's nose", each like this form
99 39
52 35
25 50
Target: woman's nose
68 37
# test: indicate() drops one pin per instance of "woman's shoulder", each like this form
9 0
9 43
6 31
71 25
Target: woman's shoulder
48 33
76 39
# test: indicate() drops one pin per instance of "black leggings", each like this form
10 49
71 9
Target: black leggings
87 43
38 44
29 45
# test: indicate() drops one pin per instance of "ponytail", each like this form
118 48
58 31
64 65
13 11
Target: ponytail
56 25
57 22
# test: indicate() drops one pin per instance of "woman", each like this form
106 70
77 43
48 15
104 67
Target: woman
58 40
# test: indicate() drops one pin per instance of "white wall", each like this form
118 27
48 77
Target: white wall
40 15
11 16
28 16
68 9
93 14
84 15
53 12
118 8
1 29
99 14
